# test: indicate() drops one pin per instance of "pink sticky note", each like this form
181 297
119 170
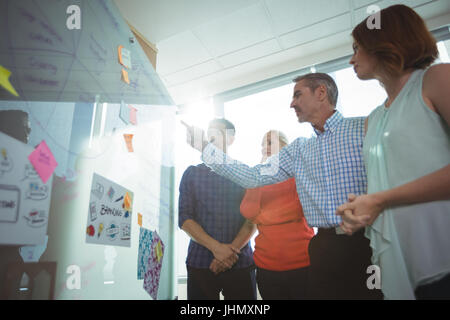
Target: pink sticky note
43 161
133 111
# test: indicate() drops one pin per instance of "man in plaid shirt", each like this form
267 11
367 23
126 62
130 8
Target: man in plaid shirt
219 256
327 168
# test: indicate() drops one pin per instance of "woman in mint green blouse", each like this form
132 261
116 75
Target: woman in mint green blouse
406 210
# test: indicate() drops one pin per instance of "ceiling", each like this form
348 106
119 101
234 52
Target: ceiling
207 47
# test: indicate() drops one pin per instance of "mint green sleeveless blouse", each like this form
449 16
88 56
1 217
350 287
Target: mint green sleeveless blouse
410 244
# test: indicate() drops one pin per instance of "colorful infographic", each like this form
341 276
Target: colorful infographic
109 213
24 197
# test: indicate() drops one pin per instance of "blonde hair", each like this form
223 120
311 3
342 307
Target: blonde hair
282 138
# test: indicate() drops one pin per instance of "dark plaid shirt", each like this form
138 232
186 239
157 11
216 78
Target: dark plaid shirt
214 203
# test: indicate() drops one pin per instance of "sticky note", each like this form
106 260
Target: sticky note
4 81
133 111
119 53
125 76
139 219
127 202
128 141
158 250
43 161
124 57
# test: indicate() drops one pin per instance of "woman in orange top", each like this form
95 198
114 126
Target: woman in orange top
281 247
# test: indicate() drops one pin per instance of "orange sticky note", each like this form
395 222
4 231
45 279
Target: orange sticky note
127 202
124 56
128 141
125 76
119 51
139 219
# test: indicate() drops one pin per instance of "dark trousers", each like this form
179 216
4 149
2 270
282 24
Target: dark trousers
235 284
282 285
338 268
438 290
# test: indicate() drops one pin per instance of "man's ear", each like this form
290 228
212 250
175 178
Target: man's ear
321 92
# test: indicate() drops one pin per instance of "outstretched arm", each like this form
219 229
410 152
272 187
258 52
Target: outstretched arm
277 169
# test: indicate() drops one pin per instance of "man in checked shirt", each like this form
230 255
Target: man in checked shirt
219 258
327 168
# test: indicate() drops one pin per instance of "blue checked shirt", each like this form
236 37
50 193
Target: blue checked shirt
214 203
326 167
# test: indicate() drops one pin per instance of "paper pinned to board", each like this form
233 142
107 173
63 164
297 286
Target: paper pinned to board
145 243
108 223
25 199
154 266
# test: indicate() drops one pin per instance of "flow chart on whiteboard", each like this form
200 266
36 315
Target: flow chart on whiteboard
24 197
109 213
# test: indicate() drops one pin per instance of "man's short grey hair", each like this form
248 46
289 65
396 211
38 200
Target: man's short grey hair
314 80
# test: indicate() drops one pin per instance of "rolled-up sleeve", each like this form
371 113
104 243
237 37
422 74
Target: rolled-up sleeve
186 201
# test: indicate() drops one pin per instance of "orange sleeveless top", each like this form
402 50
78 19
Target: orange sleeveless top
284 235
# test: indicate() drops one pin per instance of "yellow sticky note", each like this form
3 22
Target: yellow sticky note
139 219
125 76
4 81
158 250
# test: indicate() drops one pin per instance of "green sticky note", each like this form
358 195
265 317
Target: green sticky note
4 81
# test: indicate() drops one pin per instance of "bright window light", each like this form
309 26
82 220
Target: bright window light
357 98
256 114
443 47
197 114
